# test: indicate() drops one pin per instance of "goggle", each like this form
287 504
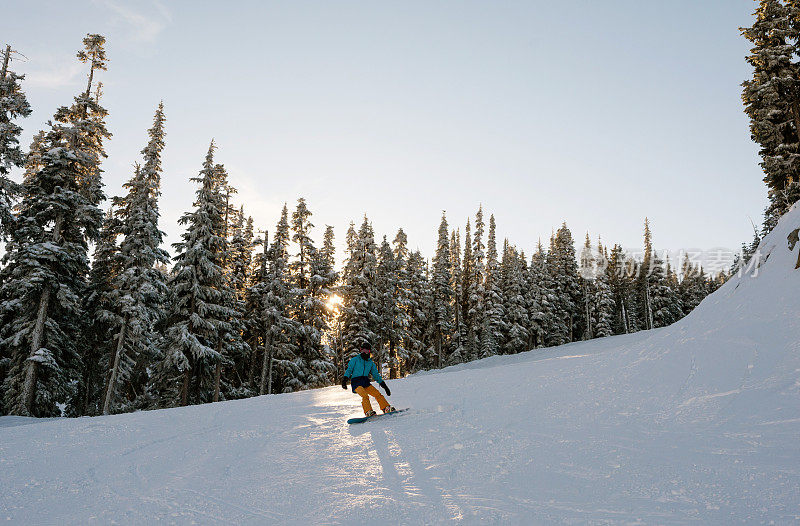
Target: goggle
368 351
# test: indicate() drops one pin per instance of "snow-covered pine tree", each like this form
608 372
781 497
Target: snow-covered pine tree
96 341
563 270
664 303
231 345
300 271
256 293
46 259
388 309
539 299
588 276
644 315
457 355
477 296
441 295
416 344
618 281
492 331
359 316
329 290
405 308
239 268
13 105
692 287
281 366
772 101
199 314
323 286
468 293
604 304
429 357
139 291
33 163
512 284
308 304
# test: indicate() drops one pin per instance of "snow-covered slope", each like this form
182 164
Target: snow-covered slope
697 422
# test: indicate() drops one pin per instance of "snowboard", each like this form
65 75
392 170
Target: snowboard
362 419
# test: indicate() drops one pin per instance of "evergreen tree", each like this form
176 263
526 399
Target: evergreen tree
693 287
664 303
239 268
387 308
359 316
772 101
96 340
400 356
308 304
13 105
329 279
323 286
441 294
477 307
588 276
643 281
281 366
46 260
230 345
604 304
458 353
417 293
139 291
567 305
492 331
538 299
254 312
469 294
620 284
198 317
512 285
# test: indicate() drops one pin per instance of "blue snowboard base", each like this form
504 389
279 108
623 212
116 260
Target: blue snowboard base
359 420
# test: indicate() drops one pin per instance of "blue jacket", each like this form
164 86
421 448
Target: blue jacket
359 369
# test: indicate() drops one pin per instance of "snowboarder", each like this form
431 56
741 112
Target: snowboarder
358 370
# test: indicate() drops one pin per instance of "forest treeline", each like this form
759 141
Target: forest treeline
239 312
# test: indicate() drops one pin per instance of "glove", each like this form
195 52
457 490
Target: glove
385 388
344 382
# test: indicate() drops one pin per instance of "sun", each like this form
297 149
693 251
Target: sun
333 301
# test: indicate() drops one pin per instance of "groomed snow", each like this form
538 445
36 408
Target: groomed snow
697 422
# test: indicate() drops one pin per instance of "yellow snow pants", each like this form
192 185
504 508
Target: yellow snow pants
365 392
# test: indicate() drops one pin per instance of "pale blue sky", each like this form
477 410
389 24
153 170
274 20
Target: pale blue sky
593 113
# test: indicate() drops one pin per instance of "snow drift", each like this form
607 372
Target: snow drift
696 422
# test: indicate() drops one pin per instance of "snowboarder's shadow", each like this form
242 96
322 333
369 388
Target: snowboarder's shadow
404 473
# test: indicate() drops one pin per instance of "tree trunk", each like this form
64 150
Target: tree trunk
392 360
115 368
588 317
796 115
269 373
218 371
251 373
571 329
438 343
6 59
29 387
187 376
266 367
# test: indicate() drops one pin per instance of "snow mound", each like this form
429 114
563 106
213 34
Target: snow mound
696 422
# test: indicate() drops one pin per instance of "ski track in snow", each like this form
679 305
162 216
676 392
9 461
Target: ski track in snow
694 423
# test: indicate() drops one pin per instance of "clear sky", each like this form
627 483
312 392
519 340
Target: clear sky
594 113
